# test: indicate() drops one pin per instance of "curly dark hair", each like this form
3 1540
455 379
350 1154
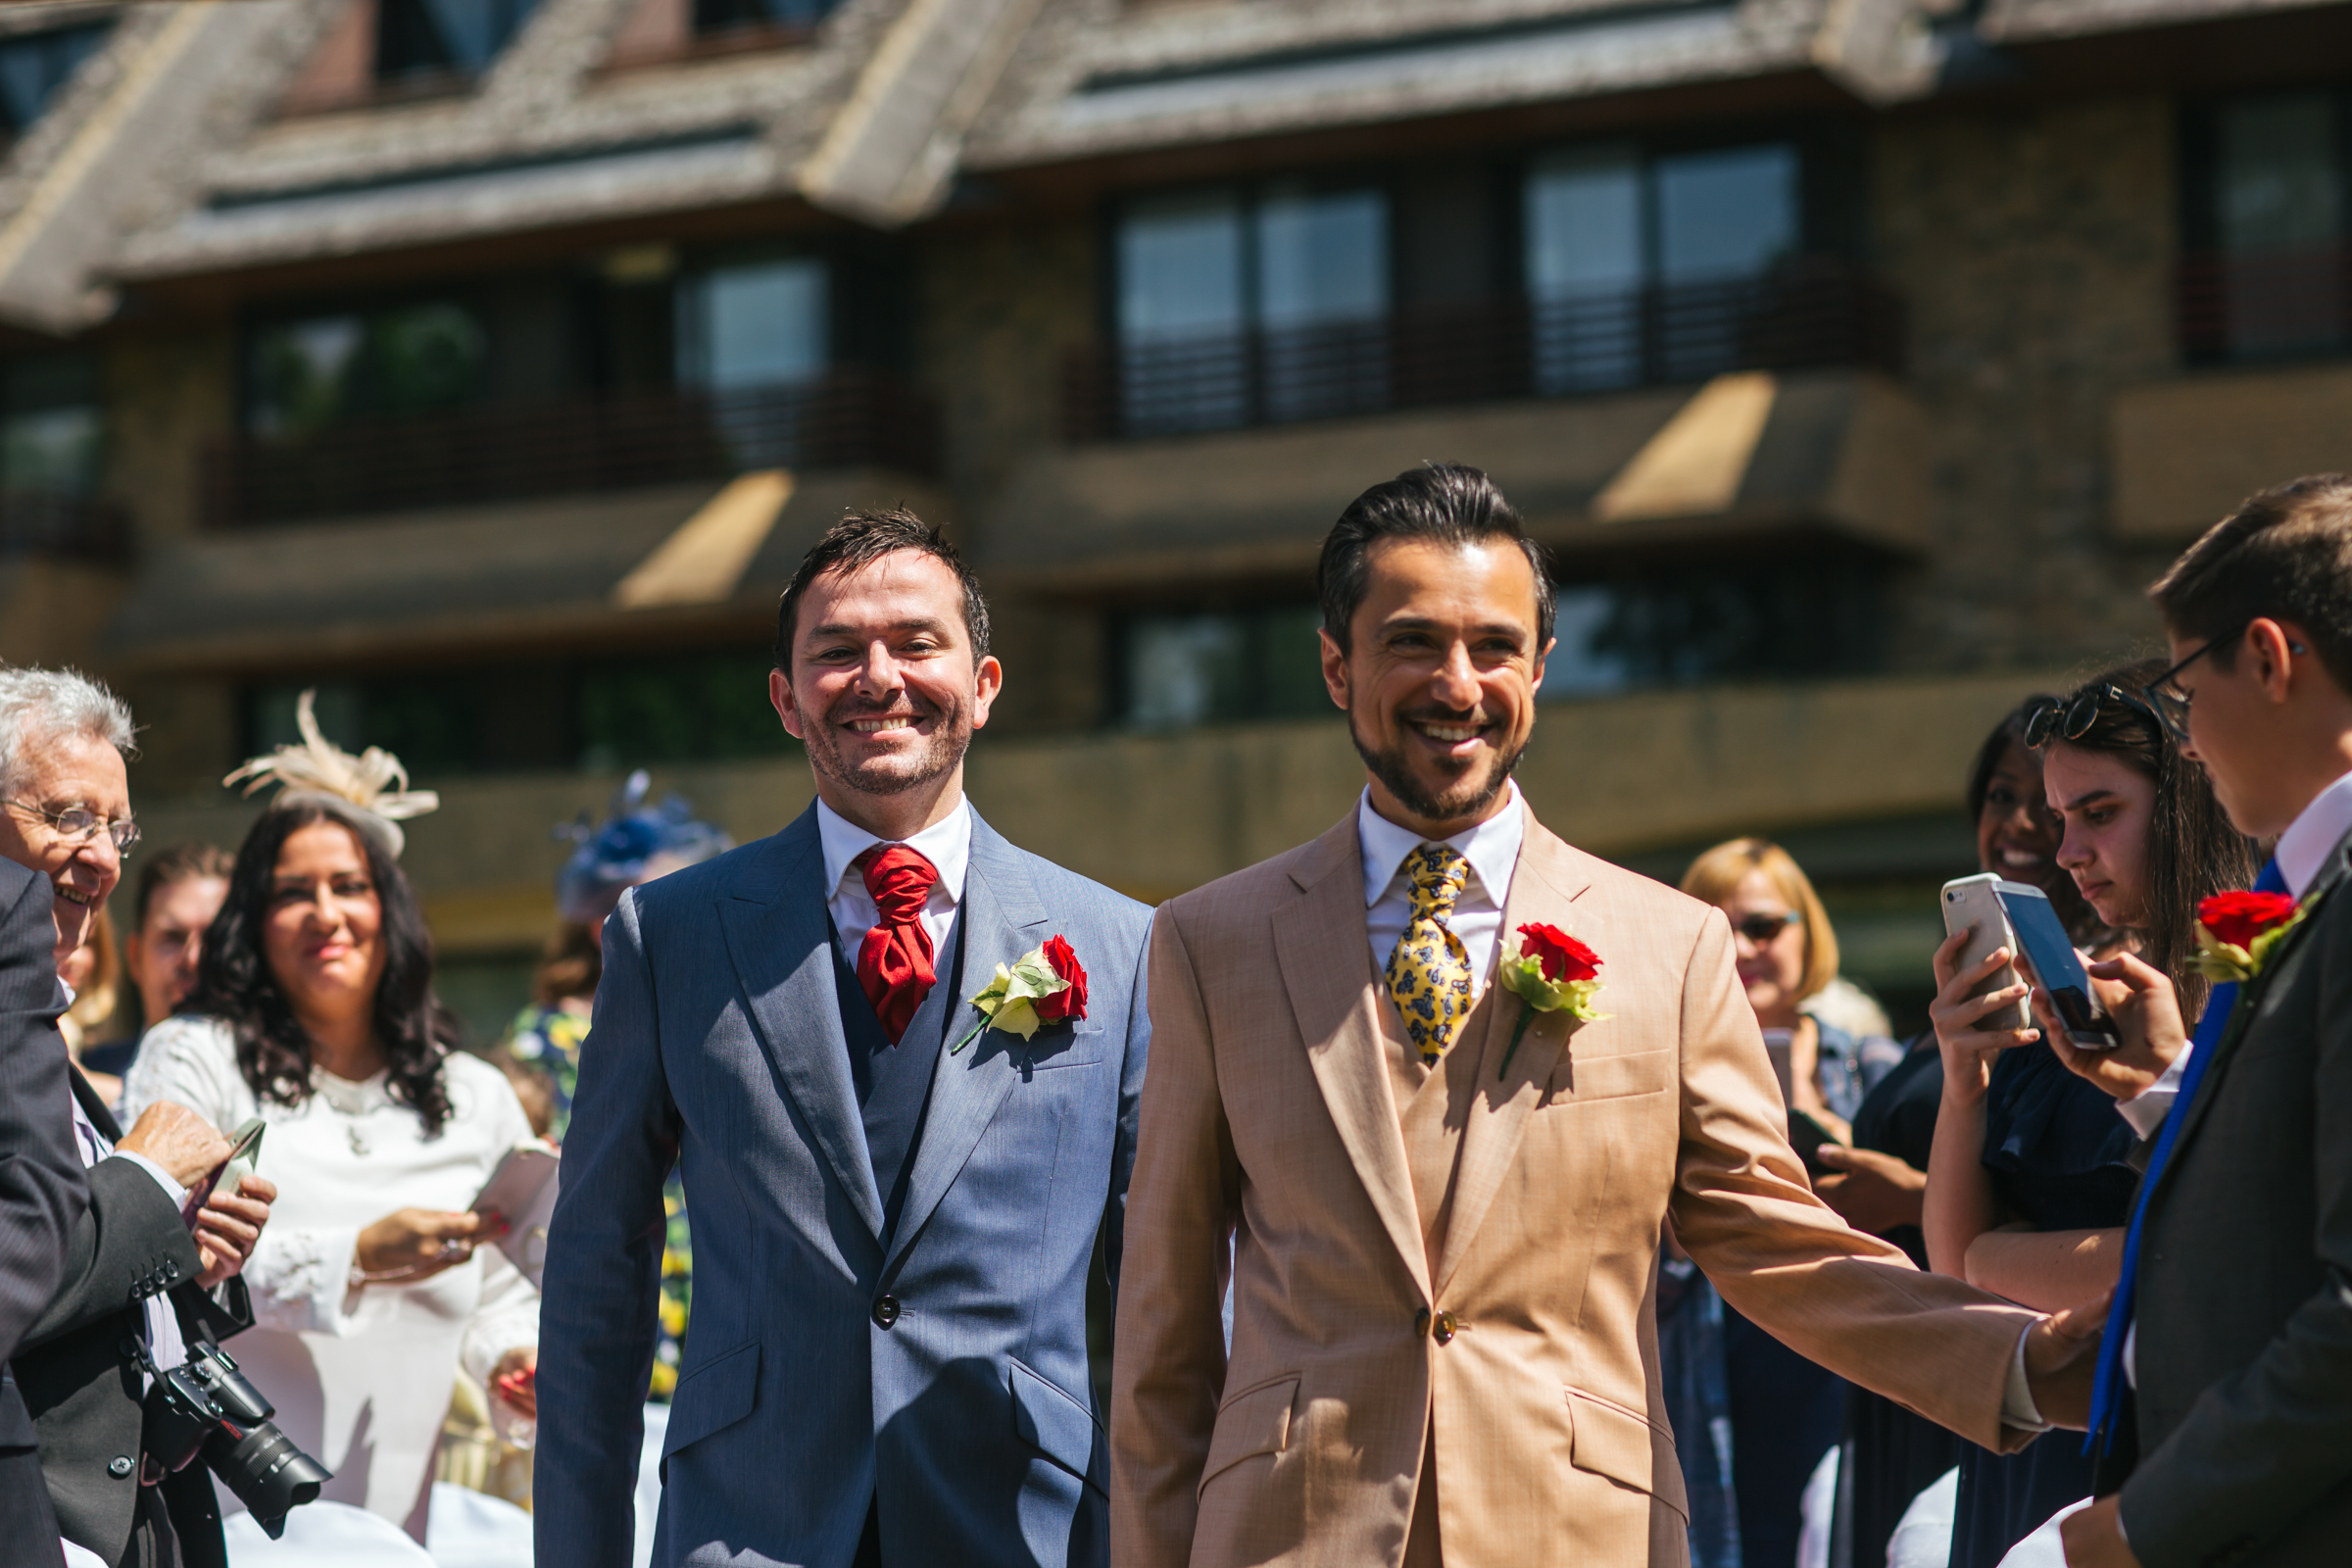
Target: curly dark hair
234 983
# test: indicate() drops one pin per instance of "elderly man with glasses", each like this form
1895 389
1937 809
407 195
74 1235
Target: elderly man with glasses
140 1283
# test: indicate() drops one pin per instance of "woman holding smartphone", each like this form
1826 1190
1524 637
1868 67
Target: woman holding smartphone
2029 1183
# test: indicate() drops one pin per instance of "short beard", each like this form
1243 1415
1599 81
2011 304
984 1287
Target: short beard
949 743
1460 802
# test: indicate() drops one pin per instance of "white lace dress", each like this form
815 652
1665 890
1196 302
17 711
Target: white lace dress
361 1379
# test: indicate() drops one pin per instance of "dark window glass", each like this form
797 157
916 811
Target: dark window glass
51 425
712 17
34 66
705 706
1221 666
444 37
2270 214
316 372
1759 619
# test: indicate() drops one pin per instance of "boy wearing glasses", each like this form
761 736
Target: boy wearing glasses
2224 1411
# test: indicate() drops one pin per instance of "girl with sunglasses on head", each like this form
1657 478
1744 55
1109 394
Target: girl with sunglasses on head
2029 1181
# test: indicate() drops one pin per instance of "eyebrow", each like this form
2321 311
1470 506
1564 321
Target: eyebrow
2102 792
1492 628
842 629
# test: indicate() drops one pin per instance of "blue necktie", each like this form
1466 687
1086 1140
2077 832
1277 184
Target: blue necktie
2107 1391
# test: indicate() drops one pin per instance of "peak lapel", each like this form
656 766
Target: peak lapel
1002 919
1544 882
1327 968
780 941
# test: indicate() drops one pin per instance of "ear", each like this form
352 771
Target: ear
1334 669
780 697
989 679
2270 648
1535 675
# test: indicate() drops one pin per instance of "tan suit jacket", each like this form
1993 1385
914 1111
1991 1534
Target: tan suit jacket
1268 1117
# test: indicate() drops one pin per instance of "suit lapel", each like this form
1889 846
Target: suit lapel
780 941
94 1107
1002 919
1327 968
1545 881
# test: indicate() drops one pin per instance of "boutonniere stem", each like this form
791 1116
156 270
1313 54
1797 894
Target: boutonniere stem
1044 985
1550 973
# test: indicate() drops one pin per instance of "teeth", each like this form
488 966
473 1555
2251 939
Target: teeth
875 726
1450 732
71 897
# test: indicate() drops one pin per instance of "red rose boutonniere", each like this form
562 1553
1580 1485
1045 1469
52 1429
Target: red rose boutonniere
2237 931
1551 972
1044 985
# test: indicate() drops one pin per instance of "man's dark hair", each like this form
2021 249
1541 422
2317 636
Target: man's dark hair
2285 553
185 861
862 538
1444 502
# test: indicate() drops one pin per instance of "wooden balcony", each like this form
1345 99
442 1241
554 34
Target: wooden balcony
2280 304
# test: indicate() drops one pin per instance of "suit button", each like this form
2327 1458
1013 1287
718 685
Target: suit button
886 1311
1442 1329
119 1466
1421 1323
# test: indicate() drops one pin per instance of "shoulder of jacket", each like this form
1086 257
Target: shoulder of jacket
1061 888
1251 888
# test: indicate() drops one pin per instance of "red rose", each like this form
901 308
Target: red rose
1070 1003
1563 957
2236 919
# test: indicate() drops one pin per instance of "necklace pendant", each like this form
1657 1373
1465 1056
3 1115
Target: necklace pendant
358 1145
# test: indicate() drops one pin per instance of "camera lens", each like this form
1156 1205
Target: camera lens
267 1472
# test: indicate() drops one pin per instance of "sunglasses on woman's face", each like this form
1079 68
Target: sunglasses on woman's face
1761 928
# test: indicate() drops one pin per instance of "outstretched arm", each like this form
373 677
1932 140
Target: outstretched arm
603 1269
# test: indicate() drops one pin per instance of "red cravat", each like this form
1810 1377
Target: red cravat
894 961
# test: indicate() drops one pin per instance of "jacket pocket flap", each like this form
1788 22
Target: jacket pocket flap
1582 1078
714 1396
1254 1421
1611 1441
1058 1427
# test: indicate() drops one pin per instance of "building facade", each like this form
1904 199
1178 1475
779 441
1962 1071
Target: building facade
486 365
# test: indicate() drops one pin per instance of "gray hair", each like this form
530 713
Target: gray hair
38 705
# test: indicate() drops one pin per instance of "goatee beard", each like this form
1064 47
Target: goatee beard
882 778
1460 802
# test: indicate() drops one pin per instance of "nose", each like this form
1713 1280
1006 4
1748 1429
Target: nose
2071 851
1455 684
879 674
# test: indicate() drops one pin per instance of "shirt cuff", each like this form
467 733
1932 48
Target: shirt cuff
162 1178
2018 1409
2146 1110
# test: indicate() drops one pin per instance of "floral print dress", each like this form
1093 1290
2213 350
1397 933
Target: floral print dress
549 1040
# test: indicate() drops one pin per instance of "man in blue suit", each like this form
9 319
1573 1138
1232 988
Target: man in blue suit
887 1362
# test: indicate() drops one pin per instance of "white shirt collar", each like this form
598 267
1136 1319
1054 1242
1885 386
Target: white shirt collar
1492 848
946 844
2303 848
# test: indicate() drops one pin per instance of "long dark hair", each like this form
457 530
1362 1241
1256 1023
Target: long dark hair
2193 852
2081 921
234 984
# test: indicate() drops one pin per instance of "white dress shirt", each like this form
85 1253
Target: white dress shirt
946 844
1493 849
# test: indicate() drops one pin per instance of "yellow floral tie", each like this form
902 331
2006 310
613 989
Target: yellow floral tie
1429 973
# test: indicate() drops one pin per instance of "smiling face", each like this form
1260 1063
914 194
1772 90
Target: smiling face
2017 833
884 690
1440 677
323 934
1772 970
161 955
2107 808
67 771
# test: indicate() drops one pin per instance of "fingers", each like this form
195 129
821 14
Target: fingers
1836 1156
260 1189
1947 957
214 1224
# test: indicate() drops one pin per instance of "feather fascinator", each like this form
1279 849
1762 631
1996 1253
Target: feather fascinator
371 790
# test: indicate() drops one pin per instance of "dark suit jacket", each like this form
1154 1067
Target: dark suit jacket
80 1371
42 1192
2244 1357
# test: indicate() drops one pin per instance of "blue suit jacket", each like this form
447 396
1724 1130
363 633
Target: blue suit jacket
971 1415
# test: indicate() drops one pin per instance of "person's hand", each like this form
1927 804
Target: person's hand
515 1380
185 1144
1968 1051
1872 1192
228 1225
2062 1357
416 1244
2093 1537
2147 1022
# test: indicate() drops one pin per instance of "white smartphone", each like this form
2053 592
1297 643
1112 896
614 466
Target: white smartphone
1969 901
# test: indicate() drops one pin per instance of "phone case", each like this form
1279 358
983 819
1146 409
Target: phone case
1968 902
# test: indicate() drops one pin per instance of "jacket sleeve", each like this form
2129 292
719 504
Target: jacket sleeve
1782 1258
1170 1366
601 1287
2266 1442
43 1193
1131 1096
129 1245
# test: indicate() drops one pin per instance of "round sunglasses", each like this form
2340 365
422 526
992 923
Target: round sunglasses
2052 719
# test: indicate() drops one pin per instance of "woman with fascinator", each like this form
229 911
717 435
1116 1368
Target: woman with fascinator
314 1010
636 844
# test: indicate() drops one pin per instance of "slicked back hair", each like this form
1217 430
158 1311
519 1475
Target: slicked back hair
1446 503
862 538
2285 553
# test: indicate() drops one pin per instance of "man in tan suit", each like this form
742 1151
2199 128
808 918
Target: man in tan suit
1444 1263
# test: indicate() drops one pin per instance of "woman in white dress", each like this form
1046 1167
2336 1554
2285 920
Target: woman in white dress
314 1011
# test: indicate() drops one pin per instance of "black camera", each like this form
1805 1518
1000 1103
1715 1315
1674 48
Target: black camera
208 1407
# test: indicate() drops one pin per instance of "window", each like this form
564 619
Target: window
34 66
1218 666
754 325
2268 206
1644 266
1759 620
316 372
1236 306
52 426
428 38
719 17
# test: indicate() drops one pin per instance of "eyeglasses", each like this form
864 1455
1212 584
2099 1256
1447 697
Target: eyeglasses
2170 703
1761 928
2051 719
81 824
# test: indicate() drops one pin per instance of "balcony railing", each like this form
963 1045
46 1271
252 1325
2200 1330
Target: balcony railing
2266 304
853 419
1818 314
43 522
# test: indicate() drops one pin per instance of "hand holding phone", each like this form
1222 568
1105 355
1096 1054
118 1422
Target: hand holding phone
2052 964
244 1148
